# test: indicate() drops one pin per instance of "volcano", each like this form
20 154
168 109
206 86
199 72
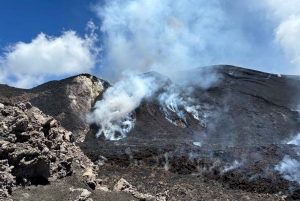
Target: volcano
218 132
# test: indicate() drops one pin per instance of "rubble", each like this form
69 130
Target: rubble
125 186
35 149
84 195
7 180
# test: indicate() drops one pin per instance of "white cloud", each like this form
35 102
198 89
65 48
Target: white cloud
287 35
30 63
282 9
144 35
287 16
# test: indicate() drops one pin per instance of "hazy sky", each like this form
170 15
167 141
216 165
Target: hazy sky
44 40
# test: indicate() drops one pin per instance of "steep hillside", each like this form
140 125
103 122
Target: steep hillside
217 132
68 100
234 130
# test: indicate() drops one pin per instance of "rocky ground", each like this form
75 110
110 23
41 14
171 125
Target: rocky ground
48 151
249 118
36 150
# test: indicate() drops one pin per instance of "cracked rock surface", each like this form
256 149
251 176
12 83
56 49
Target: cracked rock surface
34 149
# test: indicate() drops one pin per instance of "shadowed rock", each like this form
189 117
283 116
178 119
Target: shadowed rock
35 149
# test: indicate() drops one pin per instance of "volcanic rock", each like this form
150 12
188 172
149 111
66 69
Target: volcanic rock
219 132
34 149
68 100
84 194
237 136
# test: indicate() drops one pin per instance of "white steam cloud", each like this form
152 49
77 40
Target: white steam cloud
172 102
167 36
233 166
27 64
287 14
290 167
115 112
295 140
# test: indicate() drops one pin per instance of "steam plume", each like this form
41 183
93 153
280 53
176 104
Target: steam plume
114 113
290 167
167 36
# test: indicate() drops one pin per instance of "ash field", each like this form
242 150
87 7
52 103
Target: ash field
210 133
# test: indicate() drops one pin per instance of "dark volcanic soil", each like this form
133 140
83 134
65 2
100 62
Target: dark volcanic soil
249 117
230 152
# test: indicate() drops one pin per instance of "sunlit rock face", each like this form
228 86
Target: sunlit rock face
68 100
82 93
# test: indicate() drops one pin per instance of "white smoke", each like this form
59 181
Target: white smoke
174 101
167 36
164 36
170 102
167 163
115 112
289 168
295 140
232 166
199 144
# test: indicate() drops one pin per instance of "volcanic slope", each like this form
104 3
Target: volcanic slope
234 130
68 100
214 128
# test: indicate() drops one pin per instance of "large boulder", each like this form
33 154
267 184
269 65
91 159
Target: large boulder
34 148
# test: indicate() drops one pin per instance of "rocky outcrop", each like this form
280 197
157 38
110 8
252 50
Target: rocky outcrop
7 180
82 93
68 100
84 194
35 149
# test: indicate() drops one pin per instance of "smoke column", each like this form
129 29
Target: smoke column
114 113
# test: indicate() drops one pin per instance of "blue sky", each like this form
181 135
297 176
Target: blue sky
44 40
23 20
